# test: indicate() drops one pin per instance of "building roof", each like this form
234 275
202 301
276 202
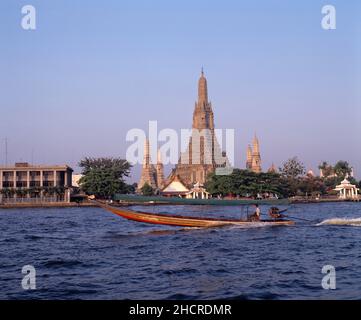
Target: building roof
26 166
345 184
175 185
198 187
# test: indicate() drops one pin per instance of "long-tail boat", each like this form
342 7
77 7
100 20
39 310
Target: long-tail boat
184 221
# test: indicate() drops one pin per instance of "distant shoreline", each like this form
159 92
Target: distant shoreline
321 200
47 205
152 203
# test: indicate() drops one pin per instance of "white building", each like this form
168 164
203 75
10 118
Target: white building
75 180
347 190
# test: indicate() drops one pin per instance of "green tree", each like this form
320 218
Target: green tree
8 192
311 185
327 169
342 169
147 190
291 171
246 183
131 188
103 177
292 168
333 175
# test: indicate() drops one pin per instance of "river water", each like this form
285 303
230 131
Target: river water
89 253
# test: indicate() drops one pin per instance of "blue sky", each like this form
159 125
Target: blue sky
90 72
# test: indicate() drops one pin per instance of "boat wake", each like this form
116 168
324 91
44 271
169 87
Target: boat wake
250 226
355 222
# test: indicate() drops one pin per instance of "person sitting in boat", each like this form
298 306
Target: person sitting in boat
256 215
275 213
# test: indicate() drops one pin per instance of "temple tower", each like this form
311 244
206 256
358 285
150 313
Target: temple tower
272 169
148 171
160 171
249 158
203 114
203 154
256 156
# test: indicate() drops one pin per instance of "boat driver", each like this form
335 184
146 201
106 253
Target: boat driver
257 214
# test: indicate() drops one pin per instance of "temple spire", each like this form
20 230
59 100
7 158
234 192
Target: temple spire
146 154
255 144
148 170
203 154
203 114
249 158
256 156
202 90
160 170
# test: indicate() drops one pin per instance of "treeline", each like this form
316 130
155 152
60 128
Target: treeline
105 177
291 180
246 183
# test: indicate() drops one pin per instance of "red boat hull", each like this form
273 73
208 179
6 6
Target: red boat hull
183 221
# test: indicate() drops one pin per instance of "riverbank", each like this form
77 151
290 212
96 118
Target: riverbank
156 201
325 200
47 205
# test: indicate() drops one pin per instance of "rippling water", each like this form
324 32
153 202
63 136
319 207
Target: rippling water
88 253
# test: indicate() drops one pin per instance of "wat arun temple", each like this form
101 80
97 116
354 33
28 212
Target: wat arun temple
202 156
